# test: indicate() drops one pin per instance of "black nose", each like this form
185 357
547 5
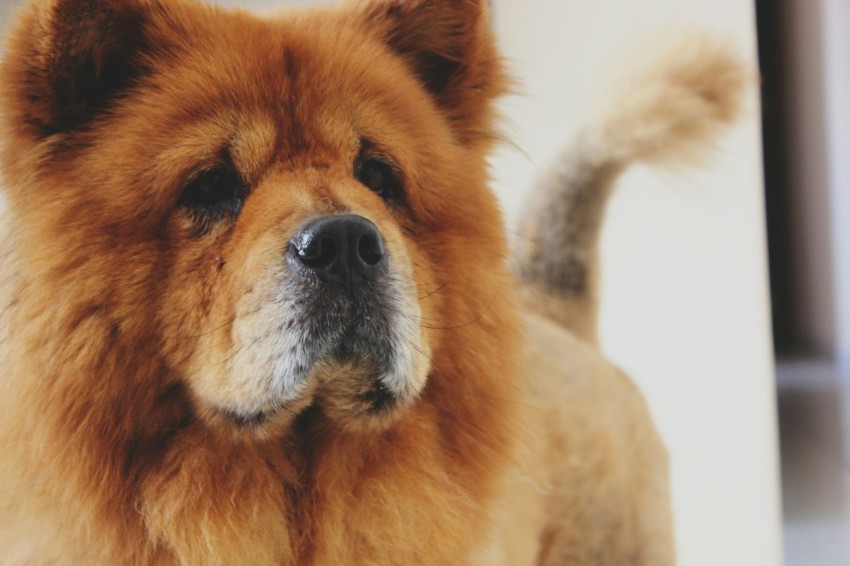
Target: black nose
343 249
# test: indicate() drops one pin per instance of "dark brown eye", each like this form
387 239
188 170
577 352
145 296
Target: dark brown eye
214 194
380 177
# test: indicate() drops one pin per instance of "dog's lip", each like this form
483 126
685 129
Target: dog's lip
380 399
249 418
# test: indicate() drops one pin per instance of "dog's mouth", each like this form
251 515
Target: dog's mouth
379 399
254 419
375 400
359 374
353 355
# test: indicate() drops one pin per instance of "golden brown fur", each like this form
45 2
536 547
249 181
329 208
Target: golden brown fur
121 313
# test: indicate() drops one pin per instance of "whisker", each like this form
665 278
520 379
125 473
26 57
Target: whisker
468 394
434 292
229 320
239 351
421 320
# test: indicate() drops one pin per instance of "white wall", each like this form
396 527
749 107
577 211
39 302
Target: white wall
685 298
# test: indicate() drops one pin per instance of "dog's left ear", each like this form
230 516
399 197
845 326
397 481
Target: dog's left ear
66 60
449 46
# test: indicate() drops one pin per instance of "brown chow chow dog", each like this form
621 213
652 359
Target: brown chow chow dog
256 306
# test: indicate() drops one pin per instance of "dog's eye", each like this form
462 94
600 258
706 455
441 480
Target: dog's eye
214 194
379 176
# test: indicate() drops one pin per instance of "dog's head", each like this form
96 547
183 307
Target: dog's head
279 211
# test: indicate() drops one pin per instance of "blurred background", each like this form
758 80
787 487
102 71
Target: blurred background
685 294
688 307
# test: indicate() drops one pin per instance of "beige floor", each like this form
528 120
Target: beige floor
814 417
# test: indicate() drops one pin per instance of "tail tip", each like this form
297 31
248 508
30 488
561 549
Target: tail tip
673 110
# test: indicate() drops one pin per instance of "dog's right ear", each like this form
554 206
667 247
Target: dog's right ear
67 59
449 47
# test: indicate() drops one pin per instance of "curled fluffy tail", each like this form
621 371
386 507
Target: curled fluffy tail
669 114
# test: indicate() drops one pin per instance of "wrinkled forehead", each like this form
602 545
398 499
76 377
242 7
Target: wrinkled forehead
317 77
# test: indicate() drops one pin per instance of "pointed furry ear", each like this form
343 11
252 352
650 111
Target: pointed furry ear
67 59
449 46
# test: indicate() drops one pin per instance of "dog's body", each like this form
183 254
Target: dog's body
199 367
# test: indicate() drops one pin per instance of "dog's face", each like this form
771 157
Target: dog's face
283 212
